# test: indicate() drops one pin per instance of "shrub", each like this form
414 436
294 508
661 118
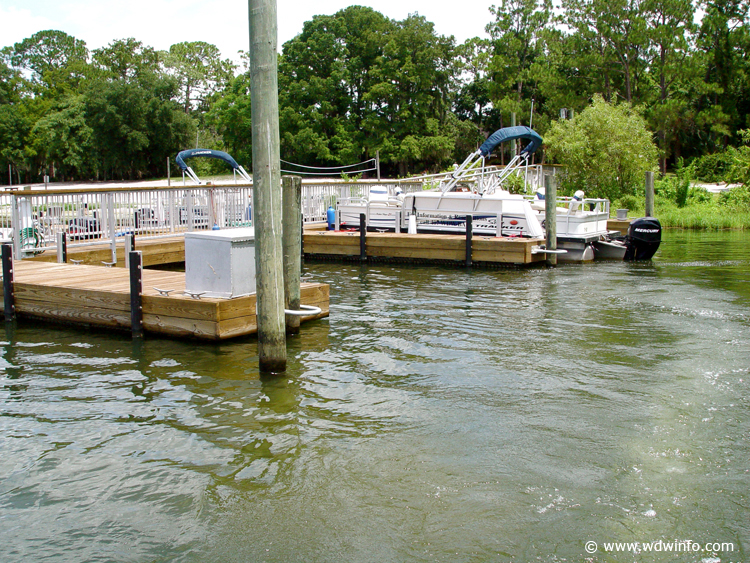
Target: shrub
675 188
713 167
606 150
736 199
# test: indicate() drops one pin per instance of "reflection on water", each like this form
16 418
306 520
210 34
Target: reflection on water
438 415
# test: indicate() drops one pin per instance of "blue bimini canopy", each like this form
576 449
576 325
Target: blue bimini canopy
207 153
509 134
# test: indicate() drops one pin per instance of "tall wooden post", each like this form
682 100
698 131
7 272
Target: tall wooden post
550 217
292 243
264 97
649 194
514 143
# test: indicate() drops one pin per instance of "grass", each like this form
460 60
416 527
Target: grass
708 214
700 216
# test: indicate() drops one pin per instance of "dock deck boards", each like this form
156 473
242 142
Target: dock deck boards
95 295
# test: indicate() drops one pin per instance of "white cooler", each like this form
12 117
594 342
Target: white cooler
220 263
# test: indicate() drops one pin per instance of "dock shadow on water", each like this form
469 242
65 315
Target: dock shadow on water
438 415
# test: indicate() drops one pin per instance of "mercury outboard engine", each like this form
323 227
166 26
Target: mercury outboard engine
644 237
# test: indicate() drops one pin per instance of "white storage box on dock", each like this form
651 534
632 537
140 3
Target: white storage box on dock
220 263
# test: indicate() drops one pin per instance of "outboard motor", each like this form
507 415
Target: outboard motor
643 240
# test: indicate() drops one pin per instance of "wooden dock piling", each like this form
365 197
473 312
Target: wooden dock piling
264 94
291 242
550 217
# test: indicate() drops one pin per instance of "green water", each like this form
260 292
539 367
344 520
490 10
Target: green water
438 415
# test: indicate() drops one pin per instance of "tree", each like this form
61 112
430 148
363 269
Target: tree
606 149
136 126
516 43
126 59
723 37
325 74
412 95
670 25
200 72
51 57
473 101
230 117
64 139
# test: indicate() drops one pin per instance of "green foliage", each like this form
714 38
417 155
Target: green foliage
736 199
676 187
630 202
713 167
606 150
515 184
351 178
356 82
199 70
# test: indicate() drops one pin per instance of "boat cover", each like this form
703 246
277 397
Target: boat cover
509 134
208 153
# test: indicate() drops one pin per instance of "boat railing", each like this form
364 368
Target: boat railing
571 205
445 217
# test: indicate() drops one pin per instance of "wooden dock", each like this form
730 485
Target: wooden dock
402 247
155 252
100 296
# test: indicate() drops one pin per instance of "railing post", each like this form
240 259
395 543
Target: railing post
129 247
211 198
8 291
111 227
172 210
62 247
469 236
190 217
136 294
550 217
16 226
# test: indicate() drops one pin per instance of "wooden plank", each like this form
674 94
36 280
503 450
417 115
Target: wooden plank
67 297
622 226
84 315
417 253
504 243
332 250
242 326
499 257
181 306
331 238
177 326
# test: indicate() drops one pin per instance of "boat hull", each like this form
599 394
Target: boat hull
609 250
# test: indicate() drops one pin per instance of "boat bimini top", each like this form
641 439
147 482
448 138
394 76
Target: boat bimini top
208 153
477 158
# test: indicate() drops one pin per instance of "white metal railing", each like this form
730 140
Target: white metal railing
316 198
33 219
